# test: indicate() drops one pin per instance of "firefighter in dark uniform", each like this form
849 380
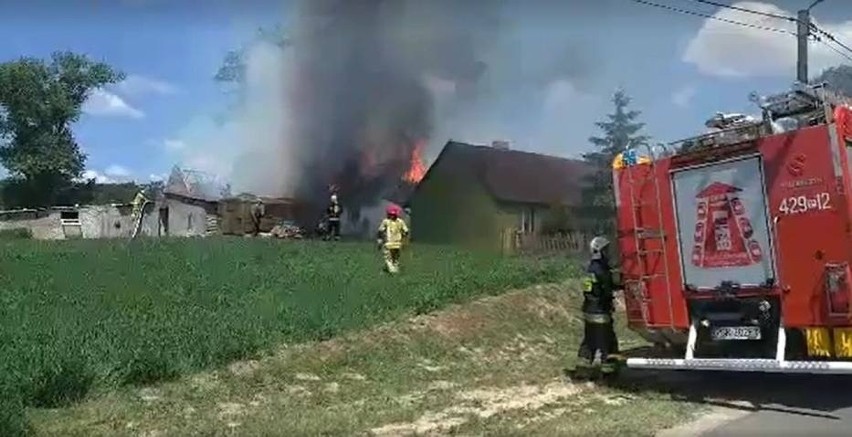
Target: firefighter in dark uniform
333 214
258 210
598 295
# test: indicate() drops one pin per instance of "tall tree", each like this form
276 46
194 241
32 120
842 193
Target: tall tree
39 101
232 72
231 75
620 131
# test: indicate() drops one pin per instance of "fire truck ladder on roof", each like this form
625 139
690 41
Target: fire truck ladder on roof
642 232
801 100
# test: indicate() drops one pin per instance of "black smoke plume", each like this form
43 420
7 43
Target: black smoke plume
360 101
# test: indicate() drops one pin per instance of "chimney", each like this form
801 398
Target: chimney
500 144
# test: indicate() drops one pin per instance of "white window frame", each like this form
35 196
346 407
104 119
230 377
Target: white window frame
527 219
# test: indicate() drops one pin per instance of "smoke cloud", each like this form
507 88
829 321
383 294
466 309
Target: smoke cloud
251 148
265 125
363 81
362 86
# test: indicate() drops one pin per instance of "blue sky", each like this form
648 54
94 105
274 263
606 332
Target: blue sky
170 54
679 69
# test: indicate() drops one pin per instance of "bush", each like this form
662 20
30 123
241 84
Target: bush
16 234
13 422
59 384
77 315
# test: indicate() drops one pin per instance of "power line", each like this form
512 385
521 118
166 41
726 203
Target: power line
748 11
830 37
834 49
779 17
814 27
711 17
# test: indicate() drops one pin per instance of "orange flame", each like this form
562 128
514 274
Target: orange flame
416 169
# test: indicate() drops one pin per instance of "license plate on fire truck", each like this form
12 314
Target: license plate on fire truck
736 333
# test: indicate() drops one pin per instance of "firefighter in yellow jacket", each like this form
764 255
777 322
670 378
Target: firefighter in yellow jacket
139 203
392 232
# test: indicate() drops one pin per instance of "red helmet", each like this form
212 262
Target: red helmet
392 210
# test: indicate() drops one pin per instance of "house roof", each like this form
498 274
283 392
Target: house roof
517 176
194 184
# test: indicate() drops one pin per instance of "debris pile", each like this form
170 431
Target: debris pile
287 230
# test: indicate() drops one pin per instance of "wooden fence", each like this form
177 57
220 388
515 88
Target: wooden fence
515 242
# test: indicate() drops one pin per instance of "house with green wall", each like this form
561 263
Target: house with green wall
473 195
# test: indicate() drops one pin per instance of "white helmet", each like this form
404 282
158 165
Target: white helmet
334 198
597 246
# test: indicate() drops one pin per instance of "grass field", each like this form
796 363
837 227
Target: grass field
78 317
492 366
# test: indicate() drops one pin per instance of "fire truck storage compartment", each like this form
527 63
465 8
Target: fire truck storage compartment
722 225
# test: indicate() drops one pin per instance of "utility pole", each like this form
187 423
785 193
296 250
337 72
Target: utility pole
803 33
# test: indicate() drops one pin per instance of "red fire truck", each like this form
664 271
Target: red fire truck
735 245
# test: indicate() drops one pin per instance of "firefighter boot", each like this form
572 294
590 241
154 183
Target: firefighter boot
392 260
393 267
390 264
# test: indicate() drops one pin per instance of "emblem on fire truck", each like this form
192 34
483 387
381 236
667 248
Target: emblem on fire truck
796 166
723 233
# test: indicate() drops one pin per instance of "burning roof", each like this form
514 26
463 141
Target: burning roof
416 168
196 184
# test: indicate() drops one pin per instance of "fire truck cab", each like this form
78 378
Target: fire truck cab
735 245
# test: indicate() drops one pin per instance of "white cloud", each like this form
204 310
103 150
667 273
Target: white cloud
114 174
158 177
135 85
117 171
727 50
174 145
683 96
107 104
97 176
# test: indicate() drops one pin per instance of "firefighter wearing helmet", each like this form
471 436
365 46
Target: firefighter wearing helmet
333 213
392 232
598 295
